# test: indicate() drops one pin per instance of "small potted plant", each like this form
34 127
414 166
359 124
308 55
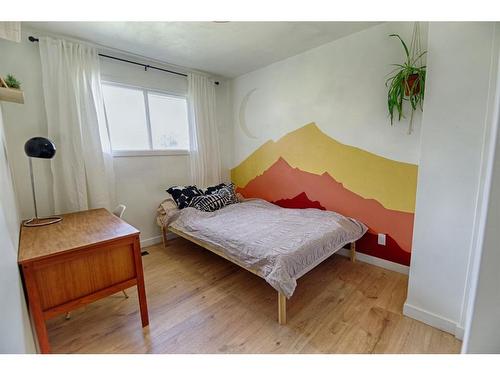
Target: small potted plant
10 89
407 84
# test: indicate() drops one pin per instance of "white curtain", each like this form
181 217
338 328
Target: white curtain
82 170
204 139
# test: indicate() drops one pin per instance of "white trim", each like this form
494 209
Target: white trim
392 266
163 92
151 241
157 239
459 332
128 153
434 320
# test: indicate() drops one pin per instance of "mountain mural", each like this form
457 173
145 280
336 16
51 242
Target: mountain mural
302 183
392 183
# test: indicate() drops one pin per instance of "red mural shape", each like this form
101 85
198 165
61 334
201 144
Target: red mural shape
299 201
292 186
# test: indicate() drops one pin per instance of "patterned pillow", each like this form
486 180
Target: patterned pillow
212 202
217 189
182 195
213 189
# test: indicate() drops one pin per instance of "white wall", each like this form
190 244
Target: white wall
25 121
459 78
140 181
340 86
482 329
15 330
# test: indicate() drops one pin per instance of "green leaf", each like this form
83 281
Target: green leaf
404 45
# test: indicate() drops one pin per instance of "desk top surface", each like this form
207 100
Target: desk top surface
76 230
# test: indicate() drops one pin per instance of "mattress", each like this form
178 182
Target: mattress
279 244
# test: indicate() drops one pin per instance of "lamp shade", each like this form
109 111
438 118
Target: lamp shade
39 147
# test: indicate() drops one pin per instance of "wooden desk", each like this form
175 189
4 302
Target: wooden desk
87 256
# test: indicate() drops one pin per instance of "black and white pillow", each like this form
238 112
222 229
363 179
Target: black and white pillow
183 195
217 189
212 202
214 189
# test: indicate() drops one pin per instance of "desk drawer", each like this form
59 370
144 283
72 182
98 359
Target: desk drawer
71 276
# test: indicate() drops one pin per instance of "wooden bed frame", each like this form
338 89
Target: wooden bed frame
212 248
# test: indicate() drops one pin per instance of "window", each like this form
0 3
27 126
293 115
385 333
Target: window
144 122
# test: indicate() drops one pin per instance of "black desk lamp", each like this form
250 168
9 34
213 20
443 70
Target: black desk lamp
43 148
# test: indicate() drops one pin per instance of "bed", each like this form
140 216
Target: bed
277 244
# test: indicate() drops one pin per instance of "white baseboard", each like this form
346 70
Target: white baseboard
434 320
151 241
157 239
377 261
459 332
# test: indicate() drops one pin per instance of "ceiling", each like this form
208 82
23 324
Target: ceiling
227 49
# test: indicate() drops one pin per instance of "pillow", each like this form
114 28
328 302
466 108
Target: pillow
217 189
182 195
212 202
213 189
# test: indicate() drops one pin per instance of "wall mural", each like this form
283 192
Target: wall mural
308 169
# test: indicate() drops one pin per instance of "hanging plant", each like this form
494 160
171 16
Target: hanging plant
407 83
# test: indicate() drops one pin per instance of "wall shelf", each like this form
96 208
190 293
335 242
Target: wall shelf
11 95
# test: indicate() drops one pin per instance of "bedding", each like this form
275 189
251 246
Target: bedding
280 244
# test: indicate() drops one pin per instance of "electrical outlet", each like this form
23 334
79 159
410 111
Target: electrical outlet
381 239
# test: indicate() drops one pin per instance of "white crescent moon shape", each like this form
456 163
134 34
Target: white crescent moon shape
242 115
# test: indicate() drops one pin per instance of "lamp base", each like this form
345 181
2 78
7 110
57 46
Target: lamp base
40 221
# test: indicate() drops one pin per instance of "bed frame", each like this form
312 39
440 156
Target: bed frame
214 249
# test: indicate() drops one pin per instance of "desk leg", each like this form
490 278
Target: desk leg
35 309
140 283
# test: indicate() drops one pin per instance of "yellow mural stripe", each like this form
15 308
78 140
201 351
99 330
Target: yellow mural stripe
391 183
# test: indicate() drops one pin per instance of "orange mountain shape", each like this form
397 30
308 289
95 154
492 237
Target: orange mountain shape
281 182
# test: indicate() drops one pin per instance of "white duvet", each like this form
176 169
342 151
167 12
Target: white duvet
281 244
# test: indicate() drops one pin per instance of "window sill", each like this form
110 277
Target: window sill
133 153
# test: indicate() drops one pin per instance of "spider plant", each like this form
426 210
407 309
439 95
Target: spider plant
406 84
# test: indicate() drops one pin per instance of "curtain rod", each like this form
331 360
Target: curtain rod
146 66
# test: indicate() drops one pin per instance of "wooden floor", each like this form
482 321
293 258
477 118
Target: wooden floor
201 303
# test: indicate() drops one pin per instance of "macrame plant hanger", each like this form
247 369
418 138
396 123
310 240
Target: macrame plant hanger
415 55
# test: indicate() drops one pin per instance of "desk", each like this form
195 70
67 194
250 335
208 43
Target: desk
87 256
